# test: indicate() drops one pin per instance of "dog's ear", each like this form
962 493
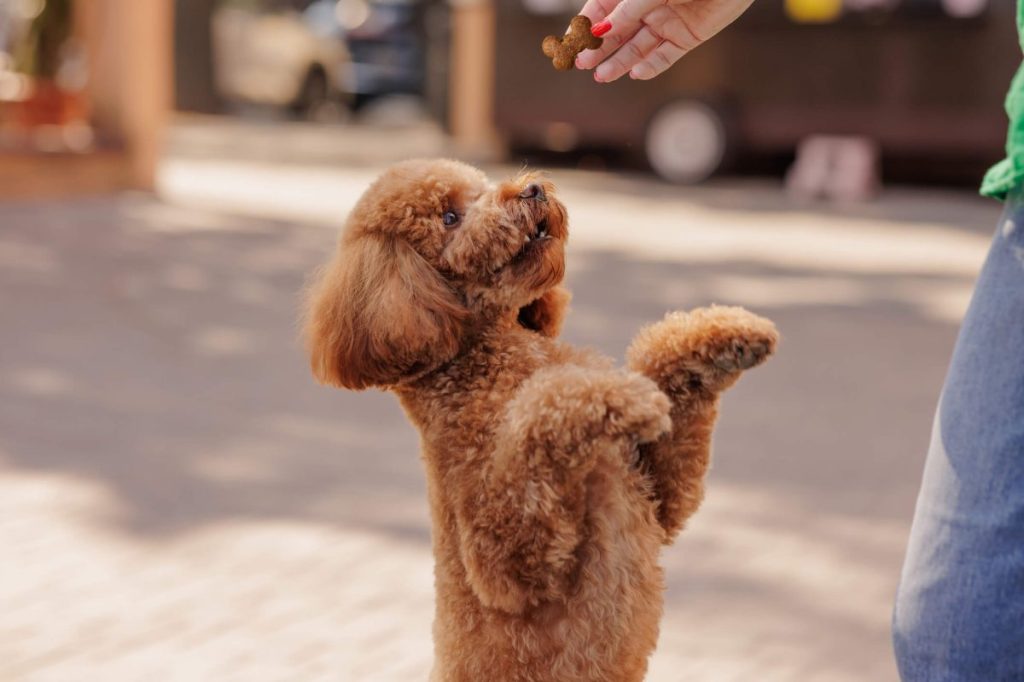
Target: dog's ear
377 313
546 314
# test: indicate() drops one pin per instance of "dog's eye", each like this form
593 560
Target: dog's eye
450 218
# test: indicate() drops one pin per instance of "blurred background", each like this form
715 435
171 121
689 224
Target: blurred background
179 501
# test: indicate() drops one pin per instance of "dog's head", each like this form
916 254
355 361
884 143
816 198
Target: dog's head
431 252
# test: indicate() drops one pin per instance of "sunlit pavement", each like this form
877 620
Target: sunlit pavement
178 501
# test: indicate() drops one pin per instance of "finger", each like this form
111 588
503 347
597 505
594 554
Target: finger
596 10
626 57
673 28
618 28
657 61
588 59
627 16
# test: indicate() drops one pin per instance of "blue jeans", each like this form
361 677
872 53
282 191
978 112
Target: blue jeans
960 606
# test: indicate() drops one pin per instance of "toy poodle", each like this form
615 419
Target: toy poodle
554 478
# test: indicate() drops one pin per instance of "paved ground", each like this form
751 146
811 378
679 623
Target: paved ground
178 501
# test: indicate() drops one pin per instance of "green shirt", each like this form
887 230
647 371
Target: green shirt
1009 173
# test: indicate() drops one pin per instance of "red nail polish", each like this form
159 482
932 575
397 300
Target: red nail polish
600 29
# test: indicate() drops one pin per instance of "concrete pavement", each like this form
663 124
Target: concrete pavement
178 501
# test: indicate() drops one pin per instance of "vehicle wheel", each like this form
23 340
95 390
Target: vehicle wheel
313 95
685 141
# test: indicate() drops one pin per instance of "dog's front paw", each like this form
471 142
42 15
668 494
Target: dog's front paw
745 343
633 406
560 408
705 347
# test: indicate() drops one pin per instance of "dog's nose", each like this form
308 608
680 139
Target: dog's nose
533 191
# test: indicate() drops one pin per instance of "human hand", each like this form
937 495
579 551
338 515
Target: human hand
645 37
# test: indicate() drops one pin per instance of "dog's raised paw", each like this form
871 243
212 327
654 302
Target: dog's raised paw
563 405
743 354
734 339
704 347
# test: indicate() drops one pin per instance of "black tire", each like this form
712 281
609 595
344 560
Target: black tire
686 141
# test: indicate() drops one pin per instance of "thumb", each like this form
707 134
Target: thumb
626 18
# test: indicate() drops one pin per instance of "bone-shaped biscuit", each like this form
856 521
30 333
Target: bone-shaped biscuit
563 51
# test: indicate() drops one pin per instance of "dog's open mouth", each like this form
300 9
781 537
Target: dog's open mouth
538 237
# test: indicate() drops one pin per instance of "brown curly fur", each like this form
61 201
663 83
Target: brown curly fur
553 477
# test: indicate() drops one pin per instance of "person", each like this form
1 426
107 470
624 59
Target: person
645 37
959 611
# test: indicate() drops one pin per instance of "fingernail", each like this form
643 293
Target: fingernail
597 77
600 29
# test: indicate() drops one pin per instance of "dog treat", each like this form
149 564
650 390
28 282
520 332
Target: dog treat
563 51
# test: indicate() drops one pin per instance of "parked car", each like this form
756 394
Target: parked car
285 53
301 54
387 44
923 78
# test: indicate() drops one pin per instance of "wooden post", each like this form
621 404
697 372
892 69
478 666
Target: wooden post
472 78
130 49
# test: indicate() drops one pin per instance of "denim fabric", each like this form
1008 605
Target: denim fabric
960 607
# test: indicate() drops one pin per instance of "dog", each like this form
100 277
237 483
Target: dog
554 478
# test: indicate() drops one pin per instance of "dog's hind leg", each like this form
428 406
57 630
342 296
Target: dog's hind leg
693 357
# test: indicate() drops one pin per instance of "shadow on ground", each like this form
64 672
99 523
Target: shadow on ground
154 350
